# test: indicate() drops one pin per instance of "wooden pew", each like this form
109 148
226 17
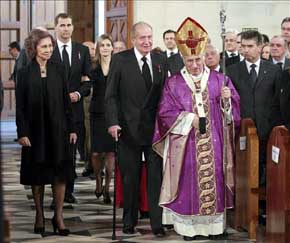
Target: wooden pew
247 180
278 188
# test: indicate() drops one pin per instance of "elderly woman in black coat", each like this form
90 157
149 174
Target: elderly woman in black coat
45 127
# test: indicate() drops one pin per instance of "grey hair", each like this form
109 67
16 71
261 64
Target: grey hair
281 37
140 23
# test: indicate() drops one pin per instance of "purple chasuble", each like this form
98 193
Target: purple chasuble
193 182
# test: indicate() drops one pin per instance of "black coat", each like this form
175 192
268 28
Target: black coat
256 98
99 83
174 62
127 101
230 60
44 114
80 66
280 114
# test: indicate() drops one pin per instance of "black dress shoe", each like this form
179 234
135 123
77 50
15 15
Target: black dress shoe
189 238
70 198
127 229
159 232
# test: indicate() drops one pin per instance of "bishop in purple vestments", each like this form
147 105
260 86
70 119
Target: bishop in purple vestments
199 108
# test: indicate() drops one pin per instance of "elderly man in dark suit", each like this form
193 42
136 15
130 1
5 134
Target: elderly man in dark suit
76 59
280 114
279 50
134 88
257 82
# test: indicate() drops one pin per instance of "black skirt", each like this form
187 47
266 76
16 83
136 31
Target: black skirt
101 140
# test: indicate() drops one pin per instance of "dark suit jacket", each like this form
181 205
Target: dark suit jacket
256 98
286 64
174 62
127 101
280 114
230 60
80 65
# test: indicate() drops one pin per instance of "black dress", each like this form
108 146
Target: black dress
101 140
44 115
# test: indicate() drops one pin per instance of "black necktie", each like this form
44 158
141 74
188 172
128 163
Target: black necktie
65 60
171 53
232 54
280 64
253 74
146 73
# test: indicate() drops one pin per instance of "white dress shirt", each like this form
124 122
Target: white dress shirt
257 68
140 62
68 49
168 52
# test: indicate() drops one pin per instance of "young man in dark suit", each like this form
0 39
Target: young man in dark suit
257 82
76 59
134 88
174 59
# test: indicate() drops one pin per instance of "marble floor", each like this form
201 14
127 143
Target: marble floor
89 220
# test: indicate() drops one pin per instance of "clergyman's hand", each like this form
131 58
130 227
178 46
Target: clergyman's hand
195 122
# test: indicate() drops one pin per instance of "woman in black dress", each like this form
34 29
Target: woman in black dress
45 127
102 144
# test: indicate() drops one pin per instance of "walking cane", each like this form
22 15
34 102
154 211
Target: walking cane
114 204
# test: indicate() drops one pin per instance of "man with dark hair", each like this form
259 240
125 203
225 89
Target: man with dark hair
134 87
285 28
174 60
279 50
257 81
14 50
76 59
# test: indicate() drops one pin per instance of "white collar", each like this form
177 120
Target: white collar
60 44
257 63
168 52
235 52
139 55
189 79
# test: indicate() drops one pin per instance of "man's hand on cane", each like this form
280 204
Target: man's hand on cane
114 131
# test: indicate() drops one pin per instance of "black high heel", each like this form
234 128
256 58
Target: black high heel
61 232
99 194
39 230
107 198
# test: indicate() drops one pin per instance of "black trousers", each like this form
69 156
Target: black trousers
130 166
80 130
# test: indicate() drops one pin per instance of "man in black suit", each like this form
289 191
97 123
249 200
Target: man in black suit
280 114
257 81
134 88
14 50
231 46
174 59
279 50
76 59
